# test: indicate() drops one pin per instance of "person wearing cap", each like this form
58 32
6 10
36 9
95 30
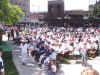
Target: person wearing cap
1 63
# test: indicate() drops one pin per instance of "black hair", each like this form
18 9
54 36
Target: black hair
0 49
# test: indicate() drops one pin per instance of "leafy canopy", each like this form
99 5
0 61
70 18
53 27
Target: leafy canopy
9 14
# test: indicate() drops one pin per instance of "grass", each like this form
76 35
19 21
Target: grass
9 66
63 59
5 47
66 60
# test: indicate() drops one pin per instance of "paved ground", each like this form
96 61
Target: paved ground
33 69
76 69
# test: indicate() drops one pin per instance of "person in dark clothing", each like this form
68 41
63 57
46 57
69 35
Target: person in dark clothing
12 33
1 63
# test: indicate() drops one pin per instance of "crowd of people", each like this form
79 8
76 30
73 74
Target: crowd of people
44 43
48 42
61 41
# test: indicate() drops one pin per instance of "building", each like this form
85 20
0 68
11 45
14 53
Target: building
37 18
55 11
95 6
55 8
72 17
93 10
76 17
24 5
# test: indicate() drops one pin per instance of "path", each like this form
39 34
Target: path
67 69
30 69
76 69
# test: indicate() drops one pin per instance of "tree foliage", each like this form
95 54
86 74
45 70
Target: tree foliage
9 14
91 16
96 12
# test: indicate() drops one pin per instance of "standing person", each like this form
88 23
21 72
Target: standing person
12 33
53 55
1 63
24 48
9 33
52 68
84 56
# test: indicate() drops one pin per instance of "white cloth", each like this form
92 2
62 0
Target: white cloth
24 48
76 52
4 38
24 52
53 56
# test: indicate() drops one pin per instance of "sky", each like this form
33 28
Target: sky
42 5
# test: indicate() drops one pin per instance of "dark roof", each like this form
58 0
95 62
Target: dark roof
76 12
39 13
71 12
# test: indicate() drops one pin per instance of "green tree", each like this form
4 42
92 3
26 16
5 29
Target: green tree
15 14
9 14
91 16
97 13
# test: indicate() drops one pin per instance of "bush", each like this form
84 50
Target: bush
9 66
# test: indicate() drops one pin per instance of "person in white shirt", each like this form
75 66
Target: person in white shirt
84 55
53 55
24 52
1 63
52 68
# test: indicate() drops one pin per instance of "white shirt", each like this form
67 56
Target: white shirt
24 48
88 46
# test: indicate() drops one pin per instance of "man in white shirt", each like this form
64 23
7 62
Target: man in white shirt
24 48
1 63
